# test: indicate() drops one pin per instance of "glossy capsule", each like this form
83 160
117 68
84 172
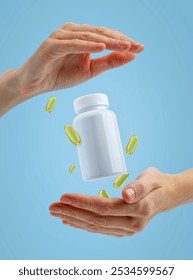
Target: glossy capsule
120 180
72 134
104 194
72 168
132 144
50 105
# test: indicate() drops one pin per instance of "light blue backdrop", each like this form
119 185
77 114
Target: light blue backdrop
152 97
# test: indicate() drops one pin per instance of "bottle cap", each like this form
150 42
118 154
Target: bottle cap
90 100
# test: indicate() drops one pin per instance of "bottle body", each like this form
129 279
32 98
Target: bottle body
100 151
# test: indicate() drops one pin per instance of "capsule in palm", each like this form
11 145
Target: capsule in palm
50 105
104 194
72 134
132 144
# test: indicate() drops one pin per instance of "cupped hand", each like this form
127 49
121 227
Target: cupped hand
149 195
64 59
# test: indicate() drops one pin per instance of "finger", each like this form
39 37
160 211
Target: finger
144 184
102 206
112 60
111 44
135 224
125 223
135 46
52 48
95 228
82 228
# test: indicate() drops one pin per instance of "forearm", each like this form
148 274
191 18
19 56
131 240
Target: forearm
10 95
184 184
180 189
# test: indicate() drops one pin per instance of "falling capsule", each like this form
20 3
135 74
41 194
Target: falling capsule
120 180
132 144
72 168
50 105
104 194
72 134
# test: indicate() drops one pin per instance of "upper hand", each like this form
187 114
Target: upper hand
63 60
147 196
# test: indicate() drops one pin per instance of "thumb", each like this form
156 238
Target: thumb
141 186
112 60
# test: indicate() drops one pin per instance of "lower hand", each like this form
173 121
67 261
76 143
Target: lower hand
151 193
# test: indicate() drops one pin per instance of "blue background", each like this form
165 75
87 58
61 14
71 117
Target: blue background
152 97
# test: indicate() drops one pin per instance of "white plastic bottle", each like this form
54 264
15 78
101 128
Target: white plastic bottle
100 151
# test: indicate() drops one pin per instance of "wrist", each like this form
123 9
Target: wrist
10 94
184 186
179 189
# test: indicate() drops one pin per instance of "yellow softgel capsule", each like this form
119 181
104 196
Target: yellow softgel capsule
50 105
104 194
120 180
132 144
72 168
72 134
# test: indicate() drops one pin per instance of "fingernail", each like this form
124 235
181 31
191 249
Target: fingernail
142 47
123 45
137 43
138 46
66 200
131 193
56 209
56 214
66 222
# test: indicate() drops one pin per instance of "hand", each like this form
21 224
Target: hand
151 193
63 60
